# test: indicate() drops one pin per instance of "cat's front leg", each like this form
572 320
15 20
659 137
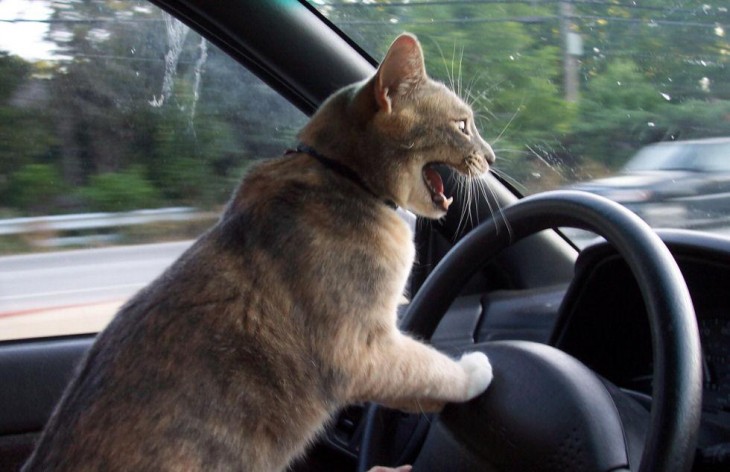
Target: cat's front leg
403 373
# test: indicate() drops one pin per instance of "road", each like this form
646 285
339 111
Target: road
79 291
583 238
75 291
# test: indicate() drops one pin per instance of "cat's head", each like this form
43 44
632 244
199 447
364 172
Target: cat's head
397 126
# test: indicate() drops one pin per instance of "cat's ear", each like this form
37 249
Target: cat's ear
401 71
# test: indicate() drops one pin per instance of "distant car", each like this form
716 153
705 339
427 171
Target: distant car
676 183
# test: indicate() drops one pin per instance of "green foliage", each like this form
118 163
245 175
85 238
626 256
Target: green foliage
191 160
98 121
13 72
695 119
637 78
25 137
612 135
622 111
119 191
93 122
621 86
34 187
25 133
616 116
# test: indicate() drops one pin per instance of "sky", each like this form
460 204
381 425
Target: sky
26 38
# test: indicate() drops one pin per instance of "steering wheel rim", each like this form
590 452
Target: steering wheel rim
677 389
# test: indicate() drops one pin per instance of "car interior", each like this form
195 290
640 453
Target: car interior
612 356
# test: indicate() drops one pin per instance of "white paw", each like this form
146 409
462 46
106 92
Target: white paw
478 371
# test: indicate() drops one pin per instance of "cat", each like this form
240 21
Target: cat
284 311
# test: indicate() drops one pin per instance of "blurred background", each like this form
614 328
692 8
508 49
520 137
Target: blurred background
122 132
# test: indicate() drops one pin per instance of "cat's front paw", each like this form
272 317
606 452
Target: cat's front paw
478 373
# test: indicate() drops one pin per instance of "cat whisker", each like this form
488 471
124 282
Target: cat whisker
481 103
490 197
450 69
505 176
542 159
474 99
472 191
482 111
459 190
486 93
485 117
484 102
486 187
466 183
453 73
423 411
449 72
467 219
469 97
501 151
509 123
461 60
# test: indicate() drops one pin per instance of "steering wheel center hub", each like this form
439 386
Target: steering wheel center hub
545 411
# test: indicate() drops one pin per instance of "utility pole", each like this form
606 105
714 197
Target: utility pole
572 50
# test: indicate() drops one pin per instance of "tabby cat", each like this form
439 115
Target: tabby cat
284 311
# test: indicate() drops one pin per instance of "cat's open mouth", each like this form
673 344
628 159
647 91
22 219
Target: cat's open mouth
435 186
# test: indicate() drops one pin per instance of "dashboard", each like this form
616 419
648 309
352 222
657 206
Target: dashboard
603 321
600 318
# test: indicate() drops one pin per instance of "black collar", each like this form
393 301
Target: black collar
343 170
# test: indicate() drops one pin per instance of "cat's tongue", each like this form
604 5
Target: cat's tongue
436 187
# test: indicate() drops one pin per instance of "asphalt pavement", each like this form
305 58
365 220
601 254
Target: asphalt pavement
78 291
86 283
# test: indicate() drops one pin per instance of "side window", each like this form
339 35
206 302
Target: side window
122 134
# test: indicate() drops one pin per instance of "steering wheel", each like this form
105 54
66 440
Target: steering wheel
545 410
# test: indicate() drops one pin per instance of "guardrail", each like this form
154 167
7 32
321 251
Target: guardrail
92 221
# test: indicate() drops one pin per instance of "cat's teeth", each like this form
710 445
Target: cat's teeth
446 202
442 201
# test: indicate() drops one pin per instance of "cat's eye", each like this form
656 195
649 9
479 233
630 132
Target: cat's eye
461 124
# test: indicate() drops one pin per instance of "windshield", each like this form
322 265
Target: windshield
568 91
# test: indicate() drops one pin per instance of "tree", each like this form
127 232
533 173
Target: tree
107 116
25 132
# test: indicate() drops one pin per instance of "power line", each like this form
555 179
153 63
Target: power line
650 21
421 3
533 20
528 19
514 19
81 20
525 19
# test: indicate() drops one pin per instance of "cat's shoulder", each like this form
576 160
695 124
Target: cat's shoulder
295 192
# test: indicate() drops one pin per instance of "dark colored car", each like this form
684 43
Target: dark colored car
615 357
674 183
